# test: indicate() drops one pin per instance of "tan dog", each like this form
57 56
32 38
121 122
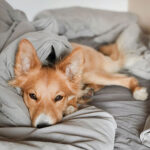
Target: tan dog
50 92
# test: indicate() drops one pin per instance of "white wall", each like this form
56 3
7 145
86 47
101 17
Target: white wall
32 7
141 9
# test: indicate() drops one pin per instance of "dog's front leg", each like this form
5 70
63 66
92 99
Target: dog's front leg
87 92
71 106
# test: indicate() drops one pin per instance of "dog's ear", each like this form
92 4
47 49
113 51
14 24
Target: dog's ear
26 58
72 65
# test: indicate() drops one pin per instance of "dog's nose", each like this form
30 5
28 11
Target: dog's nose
42 121
43 125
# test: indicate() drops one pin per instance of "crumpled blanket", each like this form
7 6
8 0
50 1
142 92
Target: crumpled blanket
145 134
89 128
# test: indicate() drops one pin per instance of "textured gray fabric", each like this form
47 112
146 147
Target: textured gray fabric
129 114
134 44
10 20
78 22
87 129
145 134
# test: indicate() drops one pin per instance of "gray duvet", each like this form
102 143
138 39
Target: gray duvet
91 127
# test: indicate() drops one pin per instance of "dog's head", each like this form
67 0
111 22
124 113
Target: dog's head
46 90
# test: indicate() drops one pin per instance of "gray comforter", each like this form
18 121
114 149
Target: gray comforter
90 127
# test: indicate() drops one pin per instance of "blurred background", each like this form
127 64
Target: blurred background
139 7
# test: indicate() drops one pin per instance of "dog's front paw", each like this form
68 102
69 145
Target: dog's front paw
140 94
70 109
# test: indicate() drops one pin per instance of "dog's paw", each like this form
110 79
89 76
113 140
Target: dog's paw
140 94
70 109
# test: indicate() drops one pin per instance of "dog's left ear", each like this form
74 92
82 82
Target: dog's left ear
26 58
72 65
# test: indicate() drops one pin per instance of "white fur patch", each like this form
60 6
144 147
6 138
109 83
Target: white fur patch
26 64
70 109
73 68
71 97
68 72
141 94
43 119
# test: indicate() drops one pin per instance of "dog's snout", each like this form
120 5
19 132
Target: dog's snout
43 120
43 125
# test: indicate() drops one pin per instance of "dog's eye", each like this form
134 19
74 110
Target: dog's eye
33 96
58 98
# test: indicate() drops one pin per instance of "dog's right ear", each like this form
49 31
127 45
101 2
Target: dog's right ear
72 65
26 58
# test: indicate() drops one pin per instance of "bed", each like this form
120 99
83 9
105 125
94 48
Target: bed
113 119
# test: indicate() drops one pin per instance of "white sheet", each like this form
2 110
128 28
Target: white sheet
145 134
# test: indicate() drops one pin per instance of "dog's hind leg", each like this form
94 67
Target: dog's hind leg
106 79
110 50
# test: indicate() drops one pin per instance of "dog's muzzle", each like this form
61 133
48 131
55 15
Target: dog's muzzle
43 120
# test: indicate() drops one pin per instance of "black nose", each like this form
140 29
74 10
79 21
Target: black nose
42 125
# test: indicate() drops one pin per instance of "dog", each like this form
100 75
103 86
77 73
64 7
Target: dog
51 92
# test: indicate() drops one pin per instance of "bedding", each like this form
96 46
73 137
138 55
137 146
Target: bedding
76 132
90 127
129 114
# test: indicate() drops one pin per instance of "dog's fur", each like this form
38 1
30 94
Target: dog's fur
49 92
